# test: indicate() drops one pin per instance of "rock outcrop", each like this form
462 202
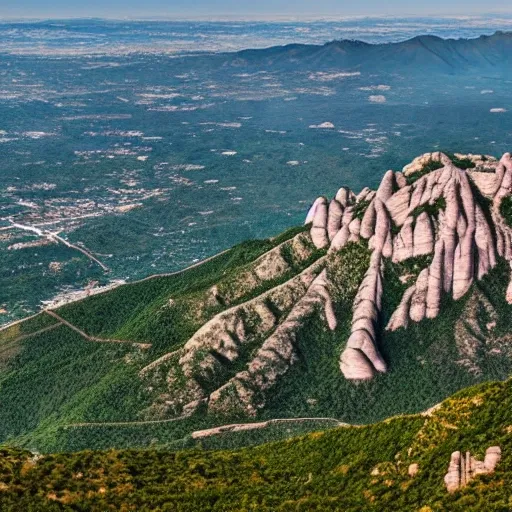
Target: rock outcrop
430 209
464 467
437 225
246 389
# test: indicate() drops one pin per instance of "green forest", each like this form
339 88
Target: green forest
350 469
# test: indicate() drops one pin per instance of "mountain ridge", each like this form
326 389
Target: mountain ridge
259 331
428 51
395 465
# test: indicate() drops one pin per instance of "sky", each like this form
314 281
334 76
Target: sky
244 8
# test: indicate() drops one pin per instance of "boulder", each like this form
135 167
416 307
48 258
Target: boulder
413 469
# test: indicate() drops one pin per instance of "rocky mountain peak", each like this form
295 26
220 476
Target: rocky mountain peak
446 208
441 212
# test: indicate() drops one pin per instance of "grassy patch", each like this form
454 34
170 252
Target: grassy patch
506 209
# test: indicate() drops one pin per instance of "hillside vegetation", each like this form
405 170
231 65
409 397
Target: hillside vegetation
261 332
347 468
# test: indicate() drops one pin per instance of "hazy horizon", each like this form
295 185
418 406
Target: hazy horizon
239 10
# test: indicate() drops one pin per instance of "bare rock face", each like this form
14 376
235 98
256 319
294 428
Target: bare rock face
435 281
398 205
361 358
274 357
400 317
419 163
426 222
368 222
311 213
344 196
319 228
463 467
334 218
404 242
423 235
419 299
340 239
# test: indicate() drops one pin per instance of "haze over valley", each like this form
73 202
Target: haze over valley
135 148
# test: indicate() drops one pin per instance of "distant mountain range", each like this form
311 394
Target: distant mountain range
422 53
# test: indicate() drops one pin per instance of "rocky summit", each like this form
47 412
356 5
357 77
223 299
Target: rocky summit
444 211
432 208
383 302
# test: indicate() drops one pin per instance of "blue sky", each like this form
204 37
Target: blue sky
243 8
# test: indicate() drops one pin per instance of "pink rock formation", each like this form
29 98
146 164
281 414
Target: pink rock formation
344 196
400 317
463 467
404 242
386 187
368 221
398 205
334 218
419 299
435 281
340 239
361 357
400 179
455 230
319 228
311 213
423 235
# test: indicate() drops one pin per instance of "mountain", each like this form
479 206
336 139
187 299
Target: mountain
402 464
421 54
383 303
